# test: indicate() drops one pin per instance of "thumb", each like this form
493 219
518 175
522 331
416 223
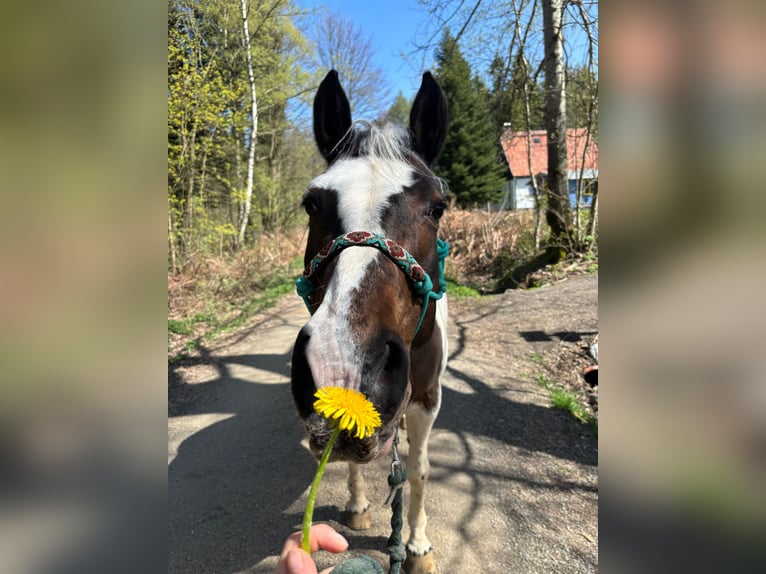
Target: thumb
298 562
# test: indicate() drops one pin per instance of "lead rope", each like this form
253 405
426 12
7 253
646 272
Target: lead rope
442 250
396 480
394 546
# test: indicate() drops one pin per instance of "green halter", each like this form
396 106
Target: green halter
417 277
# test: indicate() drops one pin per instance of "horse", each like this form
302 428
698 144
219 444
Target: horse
374 327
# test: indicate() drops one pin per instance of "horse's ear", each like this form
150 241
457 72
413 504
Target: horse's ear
332 116
429 119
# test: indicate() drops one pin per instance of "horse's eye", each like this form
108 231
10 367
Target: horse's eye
437 211
310 205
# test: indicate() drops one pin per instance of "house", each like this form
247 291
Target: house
519 191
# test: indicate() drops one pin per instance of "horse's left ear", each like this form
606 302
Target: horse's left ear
332 116
429 119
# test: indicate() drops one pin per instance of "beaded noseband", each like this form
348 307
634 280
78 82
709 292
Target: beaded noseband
417 277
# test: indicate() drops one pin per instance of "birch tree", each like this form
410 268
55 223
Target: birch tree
244 214
558 213
233 65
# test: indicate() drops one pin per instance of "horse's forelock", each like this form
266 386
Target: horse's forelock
388 141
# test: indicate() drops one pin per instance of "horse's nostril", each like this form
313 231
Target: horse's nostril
302 380
394 356
385 378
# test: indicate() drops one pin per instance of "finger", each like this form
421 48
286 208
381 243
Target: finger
298 562
325 537
292 541
322 536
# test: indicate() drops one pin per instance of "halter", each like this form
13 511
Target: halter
416 276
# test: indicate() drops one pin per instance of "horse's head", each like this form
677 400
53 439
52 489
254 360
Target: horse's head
366 306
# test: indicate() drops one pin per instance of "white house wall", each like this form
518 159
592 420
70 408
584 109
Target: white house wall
523 193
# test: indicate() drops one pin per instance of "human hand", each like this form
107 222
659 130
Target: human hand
294 560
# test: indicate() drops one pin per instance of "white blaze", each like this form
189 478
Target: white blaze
363 186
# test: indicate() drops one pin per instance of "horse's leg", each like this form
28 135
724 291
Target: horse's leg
357 514
420 559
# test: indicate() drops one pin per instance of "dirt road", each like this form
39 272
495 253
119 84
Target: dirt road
513 486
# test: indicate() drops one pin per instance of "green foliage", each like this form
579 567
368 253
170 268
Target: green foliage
582 95
180 327
470 161
507 101
564 400
456 291
568 401
209 126
399 112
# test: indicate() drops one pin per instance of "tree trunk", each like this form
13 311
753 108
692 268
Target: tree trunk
521 39
593 216
245 212
172 243
558 214
189 205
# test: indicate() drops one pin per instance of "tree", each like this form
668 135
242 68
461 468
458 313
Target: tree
343 46
582 97
509 102
197 99
469 162
516 40
226 148
399 112
558 214
244 213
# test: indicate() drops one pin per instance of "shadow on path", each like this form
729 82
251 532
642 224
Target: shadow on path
239 466
231 481
529 426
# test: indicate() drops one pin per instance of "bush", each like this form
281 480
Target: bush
483 244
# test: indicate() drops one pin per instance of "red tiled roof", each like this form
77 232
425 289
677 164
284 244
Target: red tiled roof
515 149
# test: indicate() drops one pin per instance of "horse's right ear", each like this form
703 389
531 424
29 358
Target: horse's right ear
429 119
332 116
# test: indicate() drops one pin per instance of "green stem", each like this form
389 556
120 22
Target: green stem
307 515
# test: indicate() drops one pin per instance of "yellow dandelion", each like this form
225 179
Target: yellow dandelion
350 408
356 415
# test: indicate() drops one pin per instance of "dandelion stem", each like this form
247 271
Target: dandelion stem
309 513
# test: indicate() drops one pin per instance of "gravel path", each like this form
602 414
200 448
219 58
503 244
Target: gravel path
514 484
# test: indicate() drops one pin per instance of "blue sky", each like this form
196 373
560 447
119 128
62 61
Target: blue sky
391 25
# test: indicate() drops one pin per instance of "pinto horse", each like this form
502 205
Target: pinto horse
374 326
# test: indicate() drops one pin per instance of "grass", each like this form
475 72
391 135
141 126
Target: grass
215 325
235 296
456 291
568 401
180 327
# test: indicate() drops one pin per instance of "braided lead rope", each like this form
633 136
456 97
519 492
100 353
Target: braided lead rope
358 565
394 546
442 250
396 480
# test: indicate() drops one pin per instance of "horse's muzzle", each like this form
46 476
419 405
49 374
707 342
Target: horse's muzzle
347 448
384 381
